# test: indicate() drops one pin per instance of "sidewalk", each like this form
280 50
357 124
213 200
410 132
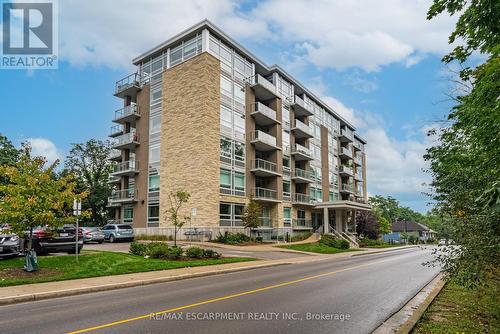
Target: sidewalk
32 292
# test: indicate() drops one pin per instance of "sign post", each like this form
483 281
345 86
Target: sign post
77 210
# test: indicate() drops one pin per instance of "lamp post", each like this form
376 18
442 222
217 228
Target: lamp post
77 210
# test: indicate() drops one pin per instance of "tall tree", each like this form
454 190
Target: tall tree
251 215
464 166
8 155
34 195
89 163
367 225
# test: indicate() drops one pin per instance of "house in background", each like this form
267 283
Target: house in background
420 231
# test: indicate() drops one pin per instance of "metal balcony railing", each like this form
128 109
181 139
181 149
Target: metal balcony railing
127 82
130 110
302 223
123 195
305 174
347 152
348 134
304 128
127 138
345 169
302 198
297 148
116 130
347 187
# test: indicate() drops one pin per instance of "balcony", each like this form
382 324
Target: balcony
302 176
265 195
128 168
301 130
301 153
303 199
127 141
347 188
300 107
264 168
128 114
345 170
128 86
358 176
358 193
358 161
263 115
116 130
113 180
357 145
302 224
263 88
115 155
119 197
263 141
345 153
346 135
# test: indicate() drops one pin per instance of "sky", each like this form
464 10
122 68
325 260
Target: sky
377 63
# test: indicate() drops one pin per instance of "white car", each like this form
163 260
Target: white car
442 242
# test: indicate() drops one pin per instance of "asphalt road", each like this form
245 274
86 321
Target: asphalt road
124 247
353 295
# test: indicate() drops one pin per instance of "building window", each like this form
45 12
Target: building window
225 178
154 182
225 214
154 153
230 214
155 124
153 215
128 214
239 151
226 116
238 214
287 216
225 147
286 190
239 181
226 86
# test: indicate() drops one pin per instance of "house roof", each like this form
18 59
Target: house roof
408 226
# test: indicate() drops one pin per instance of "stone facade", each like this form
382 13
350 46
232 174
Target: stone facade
190 142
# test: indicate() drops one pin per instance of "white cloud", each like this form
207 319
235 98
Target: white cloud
329 33
365 34
111 33
45 148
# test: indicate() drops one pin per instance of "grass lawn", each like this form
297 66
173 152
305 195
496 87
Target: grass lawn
458 310
92 264
316 247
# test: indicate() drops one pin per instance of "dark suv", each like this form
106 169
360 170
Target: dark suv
61 239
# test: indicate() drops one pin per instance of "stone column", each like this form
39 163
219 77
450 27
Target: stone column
326 223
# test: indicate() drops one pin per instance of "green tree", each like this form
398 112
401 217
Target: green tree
8 155
173 215
367 225
251 215
464 165
89 163
34 195
384 224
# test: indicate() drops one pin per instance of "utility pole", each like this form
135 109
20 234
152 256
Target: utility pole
77 210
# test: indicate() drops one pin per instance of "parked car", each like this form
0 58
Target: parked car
92 234
114 232
10 244
62 239
442 242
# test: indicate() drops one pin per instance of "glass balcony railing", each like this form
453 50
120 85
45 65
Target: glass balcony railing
130 81
126 166
347 152
130 111
347 188
264 164
304 174
345 170
302 223
302 198
263 137
264 193
125 195
126 139
299 149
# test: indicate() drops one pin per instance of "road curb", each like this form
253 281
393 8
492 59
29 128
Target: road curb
106 287
385 250
403 321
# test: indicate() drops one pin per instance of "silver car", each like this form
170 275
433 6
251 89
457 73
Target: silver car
115 232
92 234
10 244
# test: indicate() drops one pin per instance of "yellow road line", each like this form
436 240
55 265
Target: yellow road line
209 301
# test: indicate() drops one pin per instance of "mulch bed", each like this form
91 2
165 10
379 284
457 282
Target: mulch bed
19 273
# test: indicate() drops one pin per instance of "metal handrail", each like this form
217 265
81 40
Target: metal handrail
129 80
301 149
127 138
131 109
306 174
123 194
125 166
264 193
301 198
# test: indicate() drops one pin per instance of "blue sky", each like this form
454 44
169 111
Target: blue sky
379 69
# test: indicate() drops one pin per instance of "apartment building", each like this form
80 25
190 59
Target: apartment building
203 114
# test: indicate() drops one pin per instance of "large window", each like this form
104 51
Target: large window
239 181
230 214
226 118
287 216
154 153
232 182
185 50
153 215
225 178
154 182
128 214
286 190
155 124
226 145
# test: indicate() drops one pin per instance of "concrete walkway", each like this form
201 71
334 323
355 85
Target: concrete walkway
31 292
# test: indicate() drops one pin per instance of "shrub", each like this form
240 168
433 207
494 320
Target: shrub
195 252
232 238
138 248
211 254
330 241
154 237
174 253
259 239
366 242
300 236
158 250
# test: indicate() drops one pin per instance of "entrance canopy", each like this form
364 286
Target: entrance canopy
346 205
